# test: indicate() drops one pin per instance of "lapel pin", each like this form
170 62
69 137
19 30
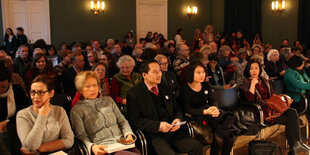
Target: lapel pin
166 97
172 81
206 92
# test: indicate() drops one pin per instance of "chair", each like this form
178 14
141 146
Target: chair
62 100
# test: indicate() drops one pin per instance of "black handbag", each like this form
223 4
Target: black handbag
203 133
262 147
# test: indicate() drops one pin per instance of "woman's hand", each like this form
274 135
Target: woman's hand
213 111
26 152
44 110
254 81
99 149
3 125
124 102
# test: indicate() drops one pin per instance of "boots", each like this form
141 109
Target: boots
300 147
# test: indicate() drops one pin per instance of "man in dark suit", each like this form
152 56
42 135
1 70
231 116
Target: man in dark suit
68 75
152 110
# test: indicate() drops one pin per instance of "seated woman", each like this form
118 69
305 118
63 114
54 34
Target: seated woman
92 59
216 72
108 59
101 70
297 80
43 127
125 79
12 99
168 79
275 67
253 86
195 99
98 121
39 66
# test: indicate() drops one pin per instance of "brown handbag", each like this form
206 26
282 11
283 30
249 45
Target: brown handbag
277 104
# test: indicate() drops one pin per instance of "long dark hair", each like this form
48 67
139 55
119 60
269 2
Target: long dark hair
246 71
35 59
6 36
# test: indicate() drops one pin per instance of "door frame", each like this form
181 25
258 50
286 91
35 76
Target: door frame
165 14
5 5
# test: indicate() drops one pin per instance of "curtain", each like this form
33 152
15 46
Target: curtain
304 22
243 15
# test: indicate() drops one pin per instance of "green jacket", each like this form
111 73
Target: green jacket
126 84
296 83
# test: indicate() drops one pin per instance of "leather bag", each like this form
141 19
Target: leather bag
278 104
203 133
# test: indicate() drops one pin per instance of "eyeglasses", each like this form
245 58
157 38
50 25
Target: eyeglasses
100 70
164 63
40 93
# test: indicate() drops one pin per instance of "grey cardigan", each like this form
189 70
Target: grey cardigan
34 130
99 121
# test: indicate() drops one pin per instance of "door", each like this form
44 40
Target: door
151 16
32 15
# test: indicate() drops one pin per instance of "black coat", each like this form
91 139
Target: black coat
142 113
68 77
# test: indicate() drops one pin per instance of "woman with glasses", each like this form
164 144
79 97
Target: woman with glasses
43 127
92 59
12 99
168 79
125 79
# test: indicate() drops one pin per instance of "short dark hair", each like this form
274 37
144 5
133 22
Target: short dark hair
246 71
295 61
20 29
144 67
148 54
295 48
49 82
74 55
190 70
213 56
195 57
179 30
4 72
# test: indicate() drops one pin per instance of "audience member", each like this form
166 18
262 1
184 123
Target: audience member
182 60
22 62
154 111
256 89
43 127
10 42
101 70
68 75
39 66
178 37
196 100
124 80
168 79
12 99
98 121
21 37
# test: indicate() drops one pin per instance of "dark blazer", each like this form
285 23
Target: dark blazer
142 113
171 83
68 77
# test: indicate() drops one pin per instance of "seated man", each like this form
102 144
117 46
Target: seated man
154 111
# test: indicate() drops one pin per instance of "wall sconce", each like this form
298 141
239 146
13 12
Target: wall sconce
192 10
96 7
278 7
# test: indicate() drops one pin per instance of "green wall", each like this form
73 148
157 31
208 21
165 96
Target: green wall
1 26
275 28
71 20
177 17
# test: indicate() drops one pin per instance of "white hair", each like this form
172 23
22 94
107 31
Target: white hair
125 58
270 53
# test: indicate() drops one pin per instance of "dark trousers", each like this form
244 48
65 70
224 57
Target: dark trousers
291 122
167 144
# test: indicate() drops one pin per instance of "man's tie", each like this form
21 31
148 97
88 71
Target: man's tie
154 90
